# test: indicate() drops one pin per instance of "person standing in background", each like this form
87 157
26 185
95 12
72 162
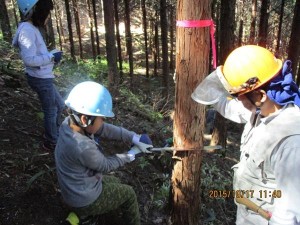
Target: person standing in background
39 63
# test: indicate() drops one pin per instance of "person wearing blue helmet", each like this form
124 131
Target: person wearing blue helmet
81 164
39 63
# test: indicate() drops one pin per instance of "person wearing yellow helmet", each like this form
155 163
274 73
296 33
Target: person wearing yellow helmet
81 163
256 88
39 63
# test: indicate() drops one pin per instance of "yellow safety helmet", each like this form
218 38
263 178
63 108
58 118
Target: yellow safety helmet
247 68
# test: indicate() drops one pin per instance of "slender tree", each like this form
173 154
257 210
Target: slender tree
4 20
241 24
58 23
111 51
192 48
70 29
172 41
144 20
119 46
263 24
253 22
294 45
227 26
128 37
91 29
280 26
95 19
77 25
164 46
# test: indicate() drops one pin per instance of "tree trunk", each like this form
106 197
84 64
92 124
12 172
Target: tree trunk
77 24
119 45
298 75
50 39
192 64
227 26
263 24
280 27
164 46
172 30
14 7
58 27
4 20
69 21
253 22
128 38
294 44
155 49
111 51
241 25
96 25
91 29
144 19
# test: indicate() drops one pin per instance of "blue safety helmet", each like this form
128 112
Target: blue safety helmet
90 98
26 6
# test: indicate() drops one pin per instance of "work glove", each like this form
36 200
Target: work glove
126 157
57 55
142 142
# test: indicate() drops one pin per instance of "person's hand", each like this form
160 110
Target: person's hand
126 157
142 142
57 55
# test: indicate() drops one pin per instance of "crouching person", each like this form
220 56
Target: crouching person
80 164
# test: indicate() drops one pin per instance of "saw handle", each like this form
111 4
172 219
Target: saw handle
255 208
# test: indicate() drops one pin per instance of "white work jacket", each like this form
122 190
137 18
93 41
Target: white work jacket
269 163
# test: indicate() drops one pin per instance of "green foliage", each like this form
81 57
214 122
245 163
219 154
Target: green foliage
213 178
134 102
161 196
40 175
143 162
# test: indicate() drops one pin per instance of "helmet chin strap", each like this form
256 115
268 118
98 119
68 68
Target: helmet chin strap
75 117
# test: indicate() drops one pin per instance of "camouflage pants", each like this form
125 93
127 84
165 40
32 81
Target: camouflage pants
114 196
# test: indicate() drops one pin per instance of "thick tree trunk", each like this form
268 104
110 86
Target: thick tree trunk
192 65
263 24
294 45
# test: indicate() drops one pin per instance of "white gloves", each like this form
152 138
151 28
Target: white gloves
126 157
142 147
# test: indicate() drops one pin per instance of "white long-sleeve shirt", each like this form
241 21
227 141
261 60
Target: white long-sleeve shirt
269 161
33 51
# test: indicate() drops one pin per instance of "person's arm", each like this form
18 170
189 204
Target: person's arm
286 163
233 109
113 132
92 158
28 48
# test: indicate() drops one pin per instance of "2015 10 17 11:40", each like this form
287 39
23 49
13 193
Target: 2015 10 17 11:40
244 193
